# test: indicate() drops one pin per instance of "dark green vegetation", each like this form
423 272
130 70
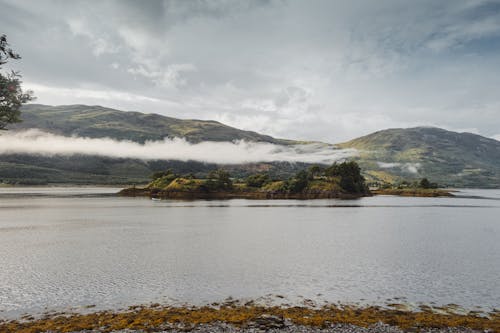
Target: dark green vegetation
83 169
448 158
79 169
11 93
342 180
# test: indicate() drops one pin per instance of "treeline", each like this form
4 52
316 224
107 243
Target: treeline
423 183
86 169
346 176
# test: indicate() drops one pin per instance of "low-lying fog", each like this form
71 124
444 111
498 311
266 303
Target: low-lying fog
38 142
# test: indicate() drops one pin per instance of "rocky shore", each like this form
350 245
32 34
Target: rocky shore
233 317
291 328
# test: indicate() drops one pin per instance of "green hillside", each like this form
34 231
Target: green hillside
387 156
98 122
449 158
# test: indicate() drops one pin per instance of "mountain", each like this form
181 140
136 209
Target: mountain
446 157
99 122
393 155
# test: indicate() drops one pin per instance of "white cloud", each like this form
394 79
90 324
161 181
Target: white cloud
408 167
41 143
266 105
76 94
170 77
99 44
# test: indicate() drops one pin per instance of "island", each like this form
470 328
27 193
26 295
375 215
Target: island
343 181
422 188
337 181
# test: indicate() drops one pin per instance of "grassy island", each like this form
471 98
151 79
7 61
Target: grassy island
422 188
342 180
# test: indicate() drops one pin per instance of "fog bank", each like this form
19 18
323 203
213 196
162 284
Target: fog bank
237 152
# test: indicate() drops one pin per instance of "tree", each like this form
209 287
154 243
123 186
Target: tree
350 176
257 180
314 171
425 183
298 183
11 94
219 180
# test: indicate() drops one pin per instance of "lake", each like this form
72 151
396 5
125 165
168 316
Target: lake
74 247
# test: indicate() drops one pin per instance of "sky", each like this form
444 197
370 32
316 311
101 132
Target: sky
312 70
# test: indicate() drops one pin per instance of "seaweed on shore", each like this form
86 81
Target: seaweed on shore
155 317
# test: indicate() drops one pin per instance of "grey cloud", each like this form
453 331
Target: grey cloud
327 70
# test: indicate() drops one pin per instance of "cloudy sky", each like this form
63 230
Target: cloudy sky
320 70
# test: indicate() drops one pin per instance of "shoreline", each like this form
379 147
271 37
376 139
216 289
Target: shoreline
222 195
234 316
262 195
411 192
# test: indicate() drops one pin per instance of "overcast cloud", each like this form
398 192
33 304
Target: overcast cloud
316 70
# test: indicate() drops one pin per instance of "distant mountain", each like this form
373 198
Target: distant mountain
98 122
445 157
449 158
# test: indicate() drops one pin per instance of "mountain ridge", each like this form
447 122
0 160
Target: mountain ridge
390 155
97 121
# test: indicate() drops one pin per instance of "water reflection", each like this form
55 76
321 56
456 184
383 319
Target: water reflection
72 247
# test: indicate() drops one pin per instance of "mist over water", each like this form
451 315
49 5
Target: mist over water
237 152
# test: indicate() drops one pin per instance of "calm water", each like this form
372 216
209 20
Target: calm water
65 247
